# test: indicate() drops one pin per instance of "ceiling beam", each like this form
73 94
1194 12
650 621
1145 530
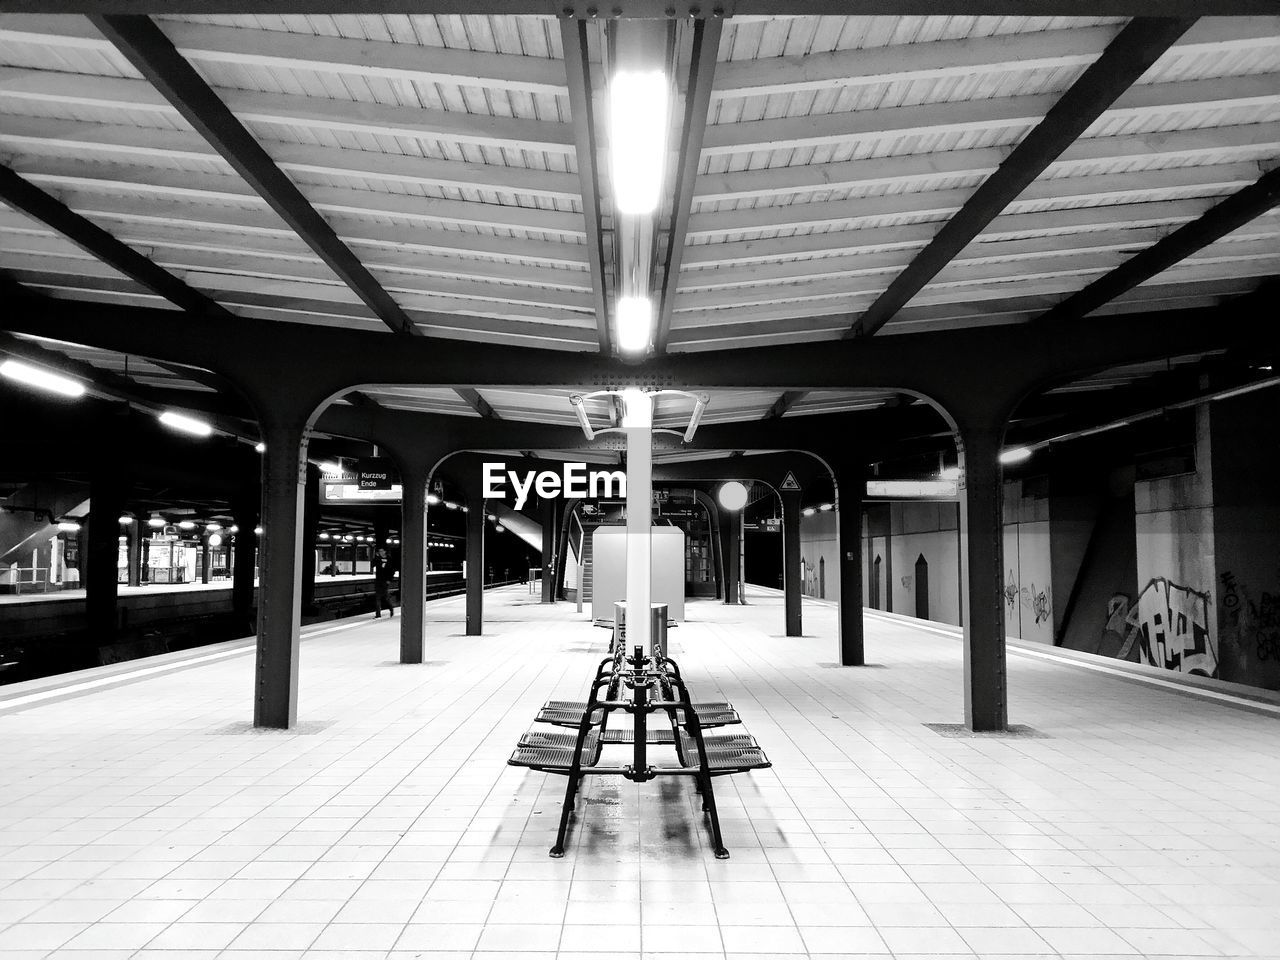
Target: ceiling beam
1139 45
577 64
990 115
697 103
661 9
289 109
785 403
1217 144
477 403
133 144
282 49
1229 215
1060 222
1205 178
102 246
146 47
966 57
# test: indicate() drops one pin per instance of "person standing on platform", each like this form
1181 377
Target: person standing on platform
383 570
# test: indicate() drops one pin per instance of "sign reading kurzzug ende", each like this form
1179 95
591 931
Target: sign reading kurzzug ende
574 482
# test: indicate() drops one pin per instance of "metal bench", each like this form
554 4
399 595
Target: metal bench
624 685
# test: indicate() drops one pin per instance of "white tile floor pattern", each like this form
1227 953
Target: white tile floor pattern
149 821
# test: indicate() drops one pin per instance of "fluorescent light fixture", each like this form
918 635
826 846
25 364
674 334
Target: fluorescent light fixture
187 525
260 447
432 499
808 511
498 528
330 468
638 138
126 520
733 495
233 529
637 409
258 531
1015 455
69 526
213 527
635 323
156 522
324 536
41 378
827 506
184 424
451 505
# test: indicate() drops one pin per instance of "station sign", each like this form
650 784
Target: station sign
363 480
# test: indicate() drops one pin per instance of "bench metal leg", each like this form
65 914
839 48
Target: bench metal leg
570 796
709 802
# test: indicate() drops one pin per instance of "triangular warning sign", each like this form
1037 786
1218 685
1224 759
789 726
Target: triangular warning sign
789 482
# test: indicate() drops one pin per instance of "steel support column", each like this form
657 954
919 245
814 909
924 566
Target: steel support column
791 585
850 487
414 480
981 566
106 500
134 534
280 575
550 529
310 528
731 552
245 510
475 559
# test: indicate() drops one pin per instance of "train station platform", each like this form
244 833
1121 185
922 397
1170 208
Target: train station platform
147 818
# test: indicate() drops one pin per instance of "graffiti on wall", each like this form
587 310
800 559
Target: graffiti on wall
1255 624
1167 627
1036 603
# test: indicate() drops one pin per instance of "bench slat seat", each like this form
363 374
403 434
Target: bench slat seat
539 738
709 715
557 759
724 759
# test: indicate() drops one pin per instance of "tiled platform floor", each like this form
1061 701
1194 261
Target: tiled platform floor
149 821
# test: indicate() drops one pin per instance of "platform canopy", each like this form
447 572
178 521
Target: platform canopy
825 177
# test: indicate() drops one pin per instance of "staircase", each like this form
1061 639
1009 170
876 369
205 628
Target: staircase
585 586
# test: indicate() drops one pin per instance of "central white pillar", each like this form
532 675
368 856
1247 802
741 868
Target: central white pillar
637 424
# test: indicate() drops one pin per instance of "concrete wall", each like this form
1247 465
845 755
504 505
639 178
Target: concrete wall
819 549
1028 585
930 530
1246 537
1173 619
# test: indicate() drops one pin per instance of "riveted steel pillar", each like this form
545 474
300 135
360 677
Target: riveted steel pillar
246 509
280 574
730 552
550 536
850 488
310 528
981 563
791 585
106 500
414 480
475 559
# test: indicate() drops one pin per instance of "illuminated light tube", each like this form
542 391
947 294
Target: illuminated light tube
126 520
69 526
324 536
185 424
41 378
1015 455
827 506
155 523
432 499
637 138
187 525
260 447
212 527
635 323
258 531
808 511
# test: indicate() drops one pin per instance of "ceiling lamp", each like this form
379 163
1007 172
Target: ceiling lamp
635 323
184 424
41 378
733 495
638 138
1015 455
